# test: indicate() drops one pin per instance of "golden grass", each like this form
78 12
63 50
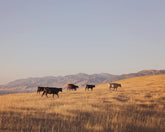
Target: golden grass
138 106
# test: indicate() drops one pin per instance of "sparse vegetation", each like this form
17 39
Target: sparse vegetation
137 106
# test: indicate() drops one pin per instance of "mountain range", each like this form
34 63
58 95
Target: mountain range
81 79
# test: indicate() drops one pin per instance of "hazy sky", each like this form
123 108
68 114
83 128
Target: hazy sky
60 37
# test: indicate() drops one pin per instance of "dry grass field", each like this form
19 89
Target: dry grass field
138 106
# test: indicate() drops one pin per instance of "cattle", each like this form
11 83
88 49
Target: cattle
39 89
52 90
72 87
114 85
89 87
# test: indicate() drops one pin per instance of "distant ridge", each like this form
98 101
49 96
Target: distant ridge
140 73
80 79
31 84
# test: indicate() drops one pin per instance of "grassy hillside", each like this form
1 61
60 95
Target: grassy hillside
138 106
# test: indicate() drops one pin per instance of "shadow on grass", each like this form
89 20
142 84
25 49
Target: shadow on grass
121 98
162 98
148 96
150 106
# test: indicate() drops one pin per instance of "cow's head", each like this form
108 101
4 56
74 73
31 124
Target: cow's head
39 89
60 89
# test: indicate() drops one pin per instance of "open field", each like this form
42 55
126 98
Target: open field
138 106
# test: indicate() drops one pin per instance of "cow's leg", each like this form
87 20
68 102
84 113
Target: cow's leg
57 95
46 94
43 93
91 89
38 91
53 95
110 86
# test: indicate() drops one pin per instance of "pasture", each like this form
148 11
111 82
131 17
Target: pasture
138 106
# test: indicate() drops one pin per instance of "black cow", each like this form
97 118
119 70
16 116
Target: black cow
52 90
89 87
71 87
39 89
114 85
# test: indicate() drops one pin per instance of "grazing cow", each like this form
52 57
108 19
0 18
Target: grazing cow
114 85
89 87
52 90
39 89
71 87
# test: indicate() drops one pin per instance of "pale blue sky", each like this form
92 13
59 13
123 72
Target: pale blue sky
60 37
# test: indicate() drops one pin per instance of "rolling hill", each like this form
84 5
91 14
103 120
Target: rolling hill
30 84
138 74
138 105
81 79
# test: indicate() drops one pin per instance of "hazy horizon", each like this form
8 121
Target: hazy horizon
52 38
76 74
